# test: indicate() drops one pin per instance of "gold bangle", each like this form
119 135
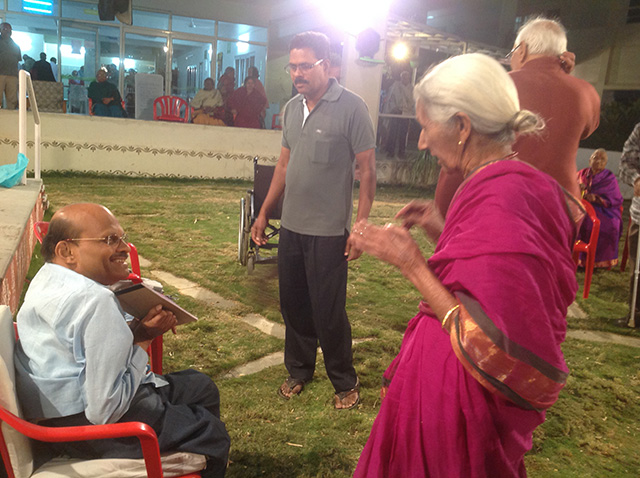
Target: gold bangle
447 316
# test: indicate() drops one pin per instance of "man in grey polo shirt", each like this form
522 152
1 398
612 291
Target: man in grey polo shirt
325 128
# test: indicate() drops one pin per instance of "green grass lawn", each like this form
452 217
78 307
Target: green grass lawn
190 229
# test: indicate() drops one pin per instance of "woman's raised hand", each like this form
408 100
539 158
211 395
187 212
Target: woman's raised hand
423 214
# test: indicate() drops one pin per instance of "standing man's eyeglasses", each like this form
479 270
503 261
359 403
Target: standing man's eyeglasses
110 240
303 67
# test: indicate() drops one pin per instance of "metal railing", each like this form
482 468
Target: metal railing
24 83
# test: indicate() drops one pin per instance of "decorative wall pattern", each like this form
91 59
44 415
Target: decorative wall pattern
62 145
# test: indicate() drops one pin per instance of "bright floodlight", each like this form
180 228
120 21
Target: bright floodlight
353 16
400 51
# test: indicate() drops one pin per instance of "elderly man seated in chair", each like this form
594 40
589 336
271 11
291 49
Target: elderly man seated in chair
78 362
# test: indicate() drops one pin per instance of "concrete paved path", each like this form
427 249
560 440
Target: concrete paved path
277 330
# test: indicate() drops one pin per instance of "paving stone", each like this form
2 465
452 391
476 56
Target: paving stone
604 337
575 312
177 282
257 365
191 289
268 327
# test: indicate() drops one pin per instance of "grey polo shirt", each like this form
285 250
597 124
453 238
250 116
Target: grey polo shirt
318 195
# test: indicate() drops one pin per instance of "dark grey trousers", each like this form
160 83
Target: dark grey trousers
184 414
313 289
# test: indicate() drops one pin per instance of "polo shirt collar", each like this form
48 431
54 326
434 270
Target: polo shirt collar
332 94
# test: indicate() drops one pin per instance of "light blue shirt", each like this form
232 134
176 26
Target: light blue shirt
76 352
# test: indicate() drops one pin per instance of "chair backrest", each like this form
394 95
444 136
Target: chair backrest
17 445
262 175
40 229
172 107
49 95
595 230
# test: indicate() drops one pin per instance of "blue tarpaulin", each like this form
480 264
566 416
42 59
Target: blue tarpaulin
11 174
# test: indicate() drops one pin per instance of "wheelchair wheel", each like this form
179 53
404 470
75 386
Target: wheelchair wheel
251 263
243 237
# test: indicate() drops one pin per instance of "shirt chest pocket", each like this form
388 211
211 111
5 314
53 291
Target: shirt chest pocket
328 148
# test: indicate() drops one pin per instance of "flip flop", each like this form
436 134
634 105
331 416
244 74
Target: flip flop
290 387
340 397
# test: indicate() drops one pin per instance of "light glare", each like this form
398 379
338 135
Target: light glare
354 16
400 51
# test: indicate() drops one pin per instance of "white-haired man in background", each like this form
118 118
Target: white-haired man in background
570 106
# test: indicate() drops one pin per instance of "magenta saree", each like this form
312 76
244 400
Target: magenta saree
608 200
505 253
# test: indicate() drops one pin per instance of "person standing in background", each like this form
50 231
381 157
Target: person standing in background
9 57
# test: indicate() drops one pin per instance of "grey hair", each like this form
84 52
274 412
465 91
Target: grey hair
477 85
543 37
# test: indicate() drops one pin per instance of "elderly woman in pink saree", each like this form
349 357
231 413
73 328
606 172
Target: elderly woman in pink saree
481 361
600 187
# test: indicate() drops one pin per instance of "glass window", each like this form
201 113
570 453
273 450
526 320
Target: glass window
76 10
78 54
198 26
190 65
238 31
39 7
34 35
240 56
143 54
151 19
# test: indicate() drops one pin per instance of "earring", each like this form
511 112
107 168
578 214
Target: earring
460 143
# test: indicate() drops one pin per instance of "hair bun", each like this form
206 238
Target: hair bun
525 121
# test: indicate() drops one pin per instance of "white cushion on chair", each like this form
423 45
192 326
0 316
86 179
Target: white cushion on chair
174 464
19 445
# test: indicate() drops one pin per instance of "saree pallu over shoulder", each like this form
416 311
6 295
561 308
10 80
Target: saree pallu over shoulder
501 365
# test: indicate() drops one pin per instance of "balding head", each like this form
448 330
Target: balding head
538 37
76 240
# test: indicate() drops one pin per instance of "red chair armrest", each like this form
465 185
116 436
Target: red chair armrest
142 431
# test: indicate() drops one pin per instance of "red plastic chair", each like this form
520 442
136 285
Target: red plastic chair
16 451
155 350
625 249
172 108
589 248
275 121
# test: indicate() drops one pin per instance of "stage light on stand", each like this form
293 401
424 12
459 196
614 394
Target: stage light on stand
400 51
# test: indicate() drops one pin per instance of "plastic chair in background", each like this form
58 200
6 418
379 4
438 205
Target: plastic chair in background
589 248
625 249
172 108
16 448
275 121
155 350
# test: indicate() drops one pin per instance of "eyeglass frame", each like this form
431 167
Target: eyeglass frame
513 50
108 240
289 67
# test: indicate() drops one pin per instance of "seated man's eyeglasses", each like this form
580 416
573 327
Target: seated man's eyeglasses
110 240
303 67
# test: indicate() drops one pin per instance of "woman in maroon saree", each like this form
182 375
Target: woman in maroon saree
600 187
247 104
481 361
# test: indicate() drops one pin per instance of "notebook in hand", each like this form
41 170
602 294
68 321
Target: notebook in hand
138 299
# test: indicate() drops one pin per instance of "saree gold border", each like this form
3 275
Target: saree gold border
480 356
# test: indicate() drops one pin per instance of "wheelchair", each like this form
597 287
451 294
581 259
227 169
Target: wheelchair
248 251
